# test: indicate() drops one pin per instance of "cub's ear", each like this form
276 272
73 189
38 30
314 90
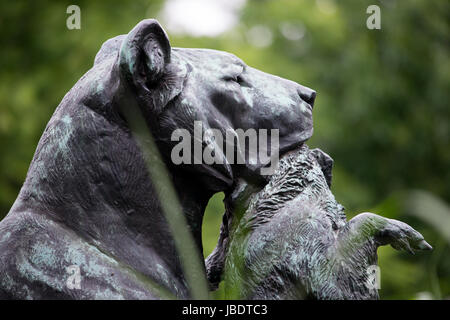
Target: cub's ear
144 53
325 162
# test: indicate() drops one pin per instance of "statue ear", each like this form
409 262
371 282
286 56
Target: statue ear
144 53
325 162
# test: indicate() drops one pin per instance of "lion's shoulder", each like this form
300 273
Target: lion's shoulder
109 49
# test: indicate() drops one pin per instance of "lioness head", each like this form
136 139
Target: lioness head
177 86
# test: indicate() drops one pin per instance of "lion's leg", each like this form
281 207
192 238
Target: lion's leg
369 227
356 251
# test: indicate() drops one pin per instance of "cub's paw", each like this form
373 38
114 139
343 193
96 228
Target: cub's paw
403 237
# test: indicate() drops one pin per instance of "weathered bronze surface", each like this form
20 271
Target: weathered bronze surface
291 240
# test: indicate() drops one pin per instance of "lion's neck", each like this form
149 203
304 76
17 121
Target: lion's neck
89 176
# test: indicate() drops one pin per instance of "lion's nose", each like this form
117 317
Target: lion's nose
308 95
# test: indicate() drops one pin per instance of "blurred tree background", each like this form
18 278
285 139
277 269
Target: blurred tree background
382 109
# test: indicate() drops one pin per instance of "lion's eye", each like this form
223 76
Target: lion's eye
231 78
238 79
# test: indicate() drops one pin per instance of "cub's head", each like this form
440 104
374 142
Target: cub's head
178 87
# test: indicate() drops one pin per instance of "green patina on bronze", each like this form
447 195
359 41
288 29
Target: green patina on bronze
291 240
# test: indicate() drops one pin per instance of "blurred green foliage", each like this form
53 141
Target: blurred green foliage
382 108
